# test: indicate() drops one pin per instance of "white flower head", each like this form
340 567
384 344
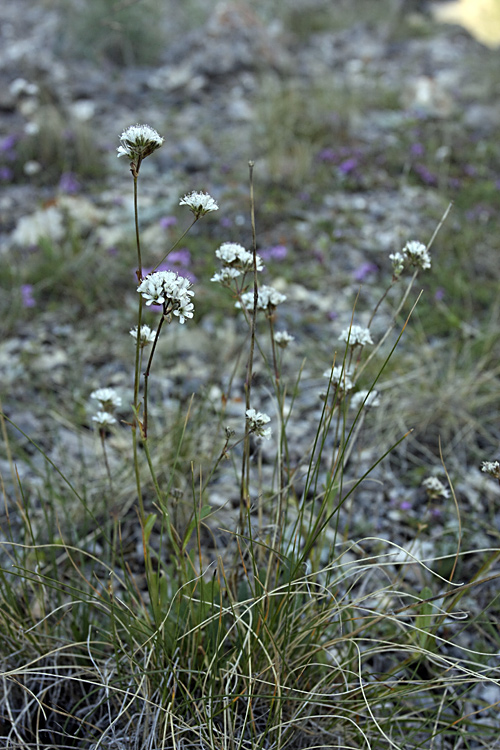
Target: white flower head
235 256
435 488
417 255
147 335
107 397
169 289
492 468
256 421
356 335
137 142
226 274
339 377
103 419
283 338
366 399
268 298
199 203
398 263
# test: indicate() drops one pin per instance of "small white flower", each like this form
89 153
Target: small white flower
236 256
103 419
199 203
398 263
169 289
435 488
268 297
139 141
256 423
225 274
147 335
107 397
417 255
356 335
339 377
283 338
491 467
185 309
358 399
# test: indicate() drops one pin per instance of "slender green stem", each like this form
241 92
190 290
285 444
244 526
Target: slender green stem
245 468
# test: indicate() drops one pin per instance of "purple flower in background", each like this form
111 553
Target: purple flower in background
6 174
417 149
168 221
276 252
226 222
439 294
27 295
455 183
182 257
364 270
405 505
425 174
327 154
8 143
348 165
470 170
69 183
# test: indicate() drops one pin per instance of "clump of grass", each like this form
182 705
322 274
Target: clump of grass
124 33
274 630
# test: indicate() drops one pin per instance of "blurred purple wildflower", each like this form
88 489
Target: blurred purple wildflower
168 221
276 252
405 505
27 295
364 271
327 154
6 174
425 174
348 165
69 183
8 143
226 222
417 149
439 294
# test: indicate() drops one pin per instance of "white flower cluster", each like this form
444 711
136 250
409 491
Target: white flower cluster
256 423
366 399
435 488
236 261
108 400
339 377
283 338
356 336
146 336
268 297
413 254
169 289
199 203
139 141
492 468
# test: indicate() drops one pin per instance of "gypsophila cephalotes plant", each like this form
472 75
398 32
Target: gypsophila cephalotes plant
236 258
103 419
107 397
435 488
257 421
137 142
356 336
340 377
492 468
146 336
283 338
199 203
268 299
169 289
414 254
